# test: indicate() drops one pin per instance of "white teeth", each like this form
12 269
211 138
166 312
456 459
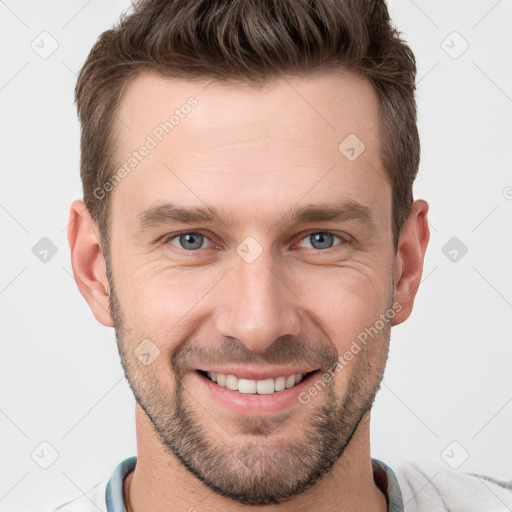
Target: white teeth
290 381
221 379
280 383
232 382
265 387
246 386
261 387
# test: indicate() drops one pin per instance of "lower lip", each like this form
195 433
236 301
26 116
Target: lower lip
252 404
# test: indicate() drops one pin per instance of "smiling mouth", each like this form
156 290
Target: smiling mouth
260 387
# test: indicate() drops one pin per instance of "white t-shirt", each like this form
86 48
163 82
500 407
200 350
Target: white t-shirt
410 487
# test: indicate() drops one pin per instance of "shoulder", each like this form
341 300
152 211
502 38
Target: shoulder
108 491
92 501
433 486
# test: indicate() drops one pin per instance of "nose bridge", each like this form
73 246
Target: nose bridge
257 306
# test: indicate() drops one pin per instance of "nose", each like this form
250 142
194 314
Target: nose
258 305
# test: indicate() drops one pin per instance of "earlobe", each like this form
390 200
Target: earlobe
87 261
409 259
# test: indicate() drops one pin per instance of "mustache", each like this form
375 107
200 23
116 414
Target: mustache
285 350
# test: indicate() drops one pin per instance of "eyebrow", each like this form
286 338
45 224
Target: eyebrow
169 213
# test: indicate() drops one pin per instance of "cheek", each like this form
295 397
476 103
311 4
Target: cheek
344 300
162 303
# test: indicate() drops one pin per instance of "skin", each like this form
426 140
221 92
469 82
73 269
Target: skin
256 152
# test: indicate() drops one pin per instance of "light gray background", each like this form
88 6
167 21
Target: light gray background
449 373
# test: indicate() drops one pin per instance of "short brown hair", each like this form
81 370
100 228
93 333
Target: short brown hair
254 41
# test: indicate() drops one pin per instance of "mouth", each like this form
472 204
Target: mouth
253 398
267 386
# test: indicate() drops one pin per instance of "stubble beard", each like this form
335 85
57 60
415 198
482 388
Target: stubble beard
256 466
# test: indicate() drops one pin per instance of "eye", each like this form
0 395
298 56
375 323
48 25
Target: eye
192 241
321 240
189 241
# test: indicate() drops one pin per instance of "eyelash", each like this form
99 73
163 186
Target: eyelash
343 239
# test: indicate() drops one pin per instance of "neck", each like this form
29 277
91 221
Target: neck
160 483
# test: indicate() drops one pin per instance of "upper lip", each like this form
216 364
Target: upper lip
257 374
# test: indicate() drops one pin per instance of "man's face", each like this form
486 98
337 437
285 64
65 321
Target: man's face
261 290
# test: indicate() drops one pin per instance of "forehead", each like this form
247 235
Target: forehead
295 135
330 105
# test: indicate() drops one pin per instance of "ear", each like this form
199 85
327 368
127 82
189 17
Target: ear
87 261
410 255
